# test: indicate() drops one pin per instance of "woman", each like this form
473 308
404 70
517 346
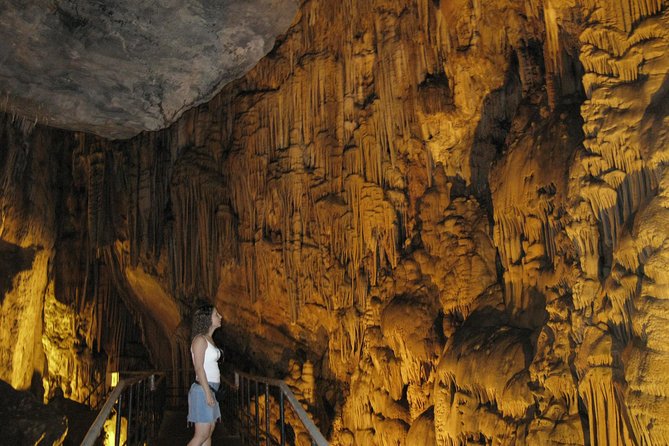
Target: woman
203 409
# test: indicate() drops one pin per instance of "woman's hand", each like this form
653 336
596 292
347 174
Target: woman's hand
209 395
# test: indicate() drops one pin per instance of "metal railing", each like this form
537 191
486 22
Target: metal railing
96 395
178 383
256 416
136 406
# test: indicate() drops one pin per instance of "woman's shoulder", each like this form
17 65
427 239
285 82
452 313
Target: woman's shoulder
199 341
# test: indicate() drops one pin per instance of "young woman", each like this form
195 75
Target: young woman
203 409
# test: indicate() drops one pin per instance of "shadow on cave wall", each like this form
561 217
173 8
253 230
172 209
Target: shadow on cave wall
525 85
498 111
13 260
653 121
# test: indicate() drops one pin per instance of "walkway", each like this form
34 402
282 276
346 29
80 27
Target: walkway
174 432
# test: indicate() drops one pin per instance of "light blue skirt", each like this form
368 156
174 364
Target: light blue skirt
198 409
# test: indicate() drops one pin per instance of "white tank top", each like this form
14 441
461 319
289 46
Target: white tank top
211 356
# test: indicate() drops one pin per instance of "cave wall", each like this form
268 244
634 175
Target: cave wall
44 342
66 320
26 249
454 210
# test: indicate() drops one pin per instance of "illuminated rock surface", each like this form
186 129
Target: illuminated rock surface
445 222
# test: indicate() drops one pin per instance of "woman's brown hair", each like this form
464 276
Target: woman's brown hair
201 320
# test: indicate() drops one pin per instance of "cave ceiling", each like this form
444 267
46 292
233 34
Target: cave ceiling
119 67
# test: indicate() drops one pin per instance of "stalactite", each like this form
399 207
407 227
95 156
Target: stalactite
197 250
623 14
625 68
608 40
347 339
616 205
375 224
95 190
553 48
607 416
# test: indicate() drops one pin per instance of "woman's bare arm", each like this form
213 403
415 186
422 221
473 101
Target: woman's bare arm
199 346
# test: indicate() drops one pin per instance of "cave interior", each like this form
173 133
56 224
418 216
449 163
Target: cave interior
439 221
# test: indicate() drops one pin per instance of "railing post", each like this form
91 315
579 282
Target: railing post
117 434
257 414
143 420
242 415
248 401
267 434
282 418
130 430
153 404
147 407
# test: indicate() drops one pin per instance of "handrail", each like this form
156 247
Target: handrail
316 436
98 388
139 401
177 390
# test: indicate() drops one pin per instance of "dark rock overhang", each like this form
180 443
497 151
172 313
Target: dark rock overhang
120 67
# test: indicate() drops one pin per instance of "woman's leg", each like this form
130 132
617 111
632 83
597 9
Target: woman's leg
211 431
202 436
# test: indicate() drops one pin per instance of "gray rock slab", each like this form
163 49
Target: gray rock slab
119 67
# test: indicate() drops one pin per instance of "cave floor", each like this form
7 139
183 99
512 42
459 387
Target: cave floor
174 431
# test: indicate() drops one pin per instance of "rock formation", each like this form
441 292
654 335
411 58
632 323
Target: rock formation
26 421
119 67
446 217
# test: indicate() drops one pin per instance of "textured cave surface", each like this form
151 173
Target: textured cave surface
441 222
119 67
25 421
